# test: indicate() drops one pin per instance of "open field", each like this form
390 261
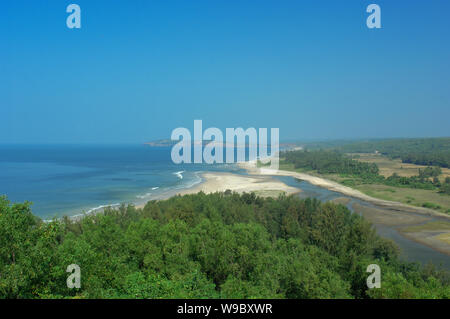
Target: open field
389 166
417 197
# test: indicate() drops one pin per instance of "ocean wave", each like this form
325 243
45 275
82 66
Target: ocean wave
143 196
196 181
179 174
147 194
191 182
89 211
101 207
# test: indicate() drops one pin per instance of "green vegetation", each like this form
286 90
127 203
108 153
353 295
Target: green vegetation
421 151
330 162
431 205
376 176
445 187
333 162
221 245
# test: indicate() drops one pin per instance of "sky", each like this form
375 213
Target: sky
136 70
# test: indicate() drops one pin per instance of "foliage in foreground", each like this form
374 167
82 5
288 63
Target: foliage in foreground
221 245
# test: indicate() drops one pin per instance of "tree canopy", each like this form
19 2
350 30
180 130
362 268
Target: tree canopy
221 245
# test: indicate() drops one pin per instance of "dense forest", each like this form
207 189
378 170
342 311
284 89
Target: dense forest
334 162
221 245
421 151
329 162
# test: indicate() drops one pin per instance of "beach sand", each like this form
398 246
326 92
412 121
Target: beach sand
336 187
260 185
264 186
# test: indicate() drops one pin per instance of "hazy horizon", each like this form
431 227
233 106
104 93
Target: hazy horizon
285 141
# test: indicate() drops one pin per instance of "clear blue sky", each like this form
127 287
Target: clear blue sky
138 69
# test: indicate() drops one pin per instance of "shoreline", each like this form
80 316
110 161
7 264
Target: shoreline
345 190
263 182
213 182
220 182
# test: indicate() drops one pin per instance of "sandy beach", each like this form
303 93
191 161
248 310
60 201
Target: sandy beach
220 182
336 187
212 182
261 182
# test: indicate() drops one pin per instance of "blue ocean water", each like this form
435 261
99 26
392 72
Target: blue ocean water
72 179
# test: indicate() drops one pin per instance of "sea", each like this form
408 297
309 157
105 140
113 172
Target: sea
75 179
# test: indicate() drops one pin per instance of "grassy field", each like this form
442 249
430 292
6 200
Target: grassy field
389 166
416 197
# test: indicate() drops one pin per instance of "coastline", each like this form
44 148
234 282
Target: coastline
345 190
220 182
263 182
213 182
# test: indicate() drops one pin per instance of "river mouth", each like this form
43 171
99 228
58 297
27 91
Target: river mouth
388 223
